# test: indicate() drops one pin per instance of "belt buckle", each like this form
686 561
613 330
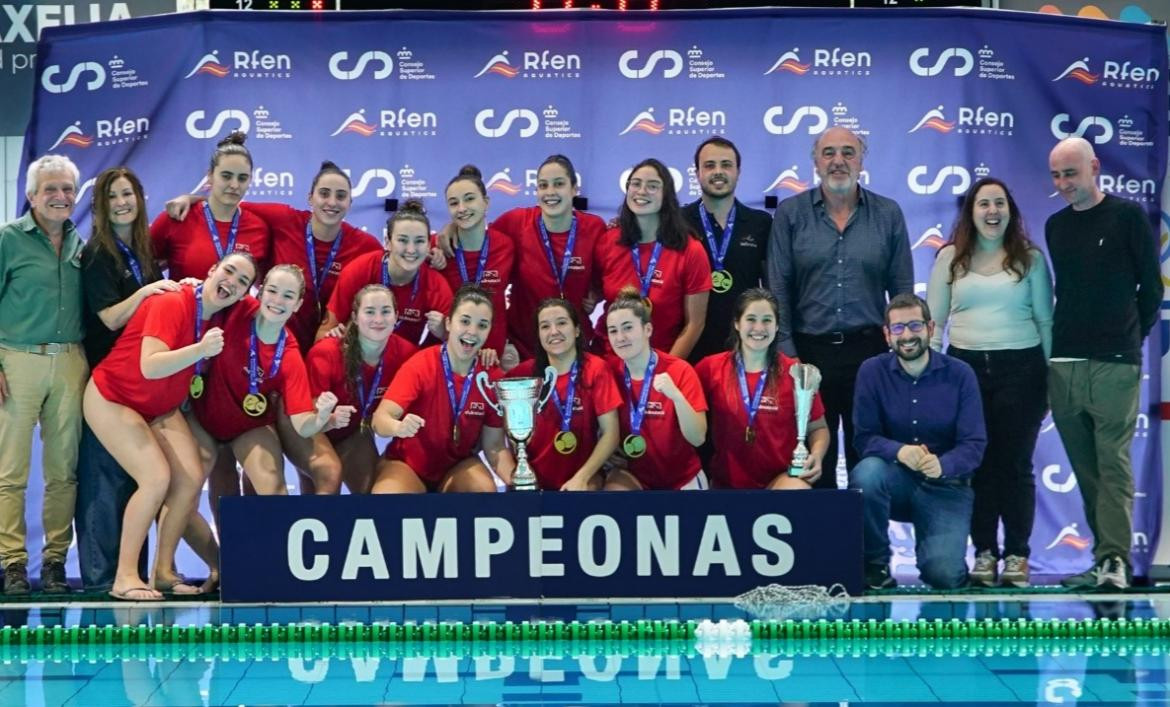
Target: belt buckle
838 338
51 349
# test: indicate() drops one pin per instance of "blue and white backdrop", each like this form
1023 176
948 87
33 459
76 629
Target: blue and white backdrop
403 99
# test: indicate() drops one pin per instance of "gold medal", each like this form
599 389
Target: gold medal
196 387
721 281
455 434
634 446
365 428
749 435
565 442
255 404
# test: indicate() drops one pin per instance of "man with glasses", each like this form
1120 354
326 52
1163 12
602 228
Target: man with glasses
918 419
836 252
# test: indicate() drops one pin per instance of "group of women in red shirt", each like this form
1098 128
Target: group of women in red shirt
348 340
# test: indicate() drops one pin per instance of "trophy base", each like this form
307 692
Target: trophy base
524 485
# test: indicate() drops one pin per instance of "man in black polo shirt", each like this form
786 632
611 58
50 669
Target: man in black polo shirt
734 236
837 251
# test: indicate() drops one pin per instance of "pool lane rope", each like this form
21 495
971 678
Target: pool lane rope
705 631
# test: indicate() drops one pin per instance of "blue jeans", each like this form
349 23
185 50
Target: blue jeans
939 509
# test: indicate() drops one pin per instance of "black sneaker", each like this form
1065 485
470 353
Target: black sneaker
1084 580
878 577
53 578
16 578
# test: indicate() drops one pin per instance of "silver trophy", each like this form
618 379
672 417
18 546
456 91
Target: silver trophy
519 401
806 378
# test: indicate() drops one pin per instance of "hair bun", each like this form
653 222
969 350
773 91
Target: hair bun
236 137
328 164
470 170
413 205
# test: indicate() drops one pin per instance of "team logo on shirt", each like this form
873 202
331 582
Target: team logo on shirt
391 122
224 121
542 64
685 120
1115 74
768 403
826 61
475 408
654 407
244 64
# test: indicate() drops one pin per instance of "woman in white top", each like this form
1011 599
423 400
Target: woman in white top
993 288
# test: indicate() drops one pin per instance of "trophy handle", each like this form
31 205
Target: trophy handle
481 379
550 383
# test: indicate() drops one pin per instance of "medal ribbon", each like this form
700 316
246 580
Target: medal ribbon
545 240
254 356
566 409
646 278
413 290
131 261
449 375
214 231
717 253
365 402
311 255
752 403
483 257
639 411
199 324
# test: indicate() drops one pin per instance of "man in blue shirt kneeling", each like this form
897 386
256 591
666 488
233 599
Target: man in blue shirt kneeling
918 424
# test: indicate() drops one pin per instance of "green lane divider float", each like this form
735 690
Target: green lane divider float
576 631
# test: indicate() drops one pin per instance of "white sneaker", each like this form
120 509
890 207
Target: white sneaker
1112 574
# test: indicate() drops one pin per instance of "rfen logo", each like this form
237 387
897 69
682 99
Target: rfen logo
934 119
516 114
931 238
96 81
382 60
645 122
355 123
73 136
965 61
1100 125
222 118
953 172
1079 70
819 120
502 182
674 64
209 65
788 179
790 62
500 66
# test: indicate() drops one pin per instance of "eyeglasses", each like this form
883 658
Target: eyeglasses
900 328
650 187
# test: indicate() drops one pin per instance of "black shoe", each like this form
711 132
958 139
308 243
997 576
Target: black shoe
16 578
53 578
878 577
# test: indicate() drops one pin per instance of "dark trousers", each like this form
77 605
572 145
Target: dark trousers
838 356
1014 386
103 489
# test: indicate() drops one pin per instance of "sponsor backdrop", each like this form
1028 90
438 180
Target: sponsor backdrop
943 97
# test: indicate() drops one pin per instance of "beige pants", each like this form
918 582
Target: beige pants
44 389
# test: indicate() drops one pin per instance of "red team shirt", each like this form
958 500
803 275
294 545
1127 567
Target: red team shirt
220 408
679 273
419 388
596 394
327 373
185 246
497 273
288 246
536 280
433 294
670 462
737 464
169 317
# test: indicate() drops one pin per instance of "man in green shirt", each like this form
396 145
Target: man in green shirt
42 369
